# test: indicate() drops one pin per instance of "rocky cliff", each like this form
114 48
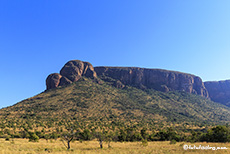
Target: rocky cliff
219 91
162 80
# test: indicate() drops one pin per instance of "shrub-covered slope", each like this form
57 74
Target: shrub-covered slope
93 101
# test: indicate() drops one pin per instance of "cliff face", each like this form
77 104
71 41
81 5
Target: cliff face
219 91
157 79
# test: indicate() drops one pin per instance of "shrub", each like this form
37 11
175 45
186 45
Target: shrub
173 142
7 138
144 142
33 138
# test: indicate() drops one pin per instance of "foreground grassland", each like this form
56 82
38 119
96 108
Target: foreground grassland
22 146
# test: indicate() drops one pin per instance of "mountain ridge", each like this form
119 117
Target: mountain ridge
150 78
158 79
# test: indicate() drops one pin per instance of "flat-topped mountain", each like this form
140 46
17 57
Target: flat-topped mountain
157 79
119 94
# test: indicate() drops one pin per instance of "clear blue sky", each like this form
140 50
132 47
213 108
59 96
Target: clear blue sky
38 37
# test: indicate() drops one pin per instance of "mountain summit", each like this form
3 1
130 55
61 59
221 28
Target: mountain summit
72 71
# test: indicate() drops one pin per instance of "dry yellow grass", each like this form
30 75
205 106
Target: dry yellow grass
22 146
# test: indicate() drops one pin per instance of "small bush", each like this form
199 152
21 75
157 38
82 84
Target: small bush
144 143
173 142
33 138
7 138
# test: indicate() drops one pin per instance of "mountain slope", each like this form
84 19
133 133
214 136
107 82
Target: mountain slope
93 101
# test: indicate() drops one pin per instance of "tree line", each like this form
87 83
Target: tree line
220 133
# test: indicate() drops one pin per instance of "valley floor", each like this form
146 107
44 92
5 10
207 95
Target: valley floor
22 146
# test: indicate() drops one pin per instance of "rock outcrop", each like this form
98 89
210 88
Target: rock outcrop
71 72
75 69
219 91
53 80
162 80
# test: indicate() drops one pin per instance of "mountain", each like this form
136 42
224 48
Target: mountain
142 78
141 95
219 91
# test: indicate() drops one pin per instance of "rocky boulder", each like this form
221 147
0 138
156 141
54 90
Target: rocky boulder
75 69
72 71
53 80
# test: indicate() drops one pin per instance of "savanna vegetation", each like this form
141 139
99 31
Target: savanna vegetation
89 112
103 132
22 146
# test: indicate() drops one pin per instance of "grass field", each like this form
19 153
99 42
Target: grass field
22 146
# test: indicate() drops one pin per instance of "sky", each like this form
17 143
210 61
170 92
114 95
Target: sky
38 37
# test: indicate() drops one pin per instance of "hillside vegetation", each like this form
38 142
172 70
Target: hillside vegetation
89 109
86 99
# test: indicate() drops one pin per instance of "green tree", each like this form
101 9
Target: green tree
144 133
100 137
122 135
218 134
68 137
85 135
